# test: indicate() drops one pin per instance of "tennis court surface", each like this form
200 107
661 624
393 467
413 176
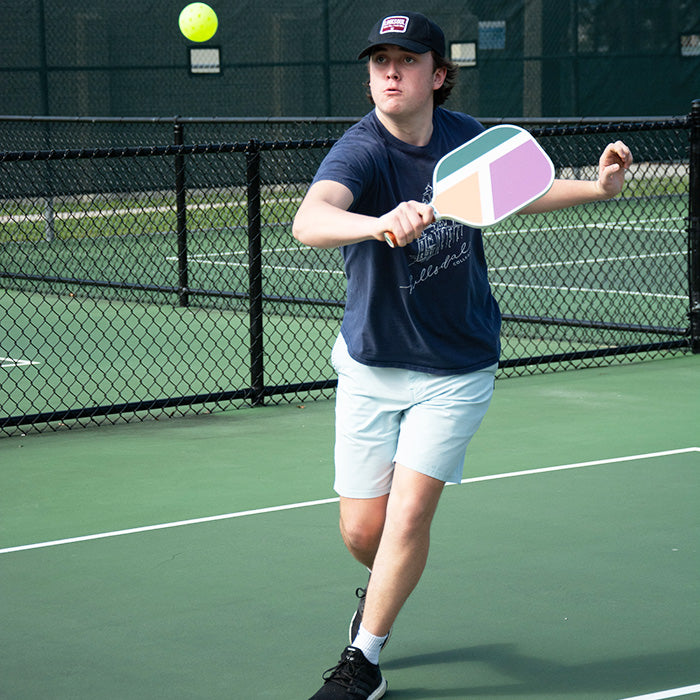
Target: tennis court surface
199 557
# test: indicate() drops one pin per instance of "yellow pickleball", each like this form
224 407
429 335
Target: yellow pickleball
198 22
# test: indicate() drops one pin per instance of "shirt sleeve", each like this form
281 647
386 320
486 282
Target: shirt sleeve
349 162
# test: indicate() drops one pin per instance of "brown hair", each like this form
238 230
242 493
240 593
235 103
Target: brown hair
443 92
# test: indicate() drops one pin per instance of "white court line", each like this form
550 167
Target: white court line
589 290
586 261
629 225
279 268
306 504
675 693
215 260
165 526
20 217
208 257
12 362
578 465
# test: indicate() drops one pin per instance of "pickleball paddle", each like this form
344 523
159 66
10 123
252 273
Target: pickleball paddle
490 177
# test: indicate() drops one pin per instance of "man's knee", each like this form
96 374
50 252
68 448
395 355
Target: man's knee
361 535
413 502
361 526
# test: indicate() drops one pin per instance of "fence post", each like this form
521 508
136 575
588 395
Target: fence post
255 287
694 229
181 214
49 216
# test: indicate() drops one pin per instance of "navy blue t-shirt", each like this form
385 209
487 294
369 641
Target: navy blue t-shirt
428 306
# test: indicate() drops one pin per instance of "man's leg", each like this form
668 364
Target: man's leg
402 541
361 526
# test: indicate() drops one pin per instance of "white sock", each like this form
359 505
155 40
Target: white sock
368 644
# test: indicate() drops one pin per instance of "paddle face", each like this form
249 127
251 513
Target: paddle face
489 178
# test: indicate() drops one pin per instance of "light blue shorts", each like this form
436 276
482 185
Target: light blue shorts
422 421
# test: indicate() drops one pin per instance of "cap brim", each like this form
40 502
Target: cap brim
412 46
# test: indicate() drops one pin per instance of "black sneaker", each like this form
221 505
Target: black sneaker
357 617
354 678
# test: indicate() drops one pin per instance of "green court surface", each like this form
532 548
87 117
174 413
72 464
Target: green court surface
199 557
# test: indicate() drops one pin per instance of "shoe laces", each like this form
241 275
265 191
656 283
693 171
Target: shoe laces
344 673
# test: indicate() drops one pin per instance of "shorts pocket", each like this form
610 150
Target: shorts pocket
338 353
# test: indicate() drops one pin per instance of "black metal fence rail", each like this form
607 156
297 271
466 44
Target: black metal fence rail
137 280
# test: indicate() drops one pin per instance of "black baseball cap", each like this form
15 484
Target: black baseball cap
409 30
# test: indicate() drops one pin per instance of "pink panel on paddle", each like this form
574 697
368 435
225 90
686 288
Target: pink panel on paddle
519 177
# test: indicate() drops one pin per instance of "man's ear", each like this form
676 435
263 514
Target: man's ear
439 77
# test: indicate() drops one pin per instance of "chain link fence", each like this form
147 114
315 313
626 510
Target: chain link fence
147 267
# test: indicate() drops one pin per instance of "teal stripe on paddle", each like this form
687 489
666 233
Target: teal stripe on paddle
474 149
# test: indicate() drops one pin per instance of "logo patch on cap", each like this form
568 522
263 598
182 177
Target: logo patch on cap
398 24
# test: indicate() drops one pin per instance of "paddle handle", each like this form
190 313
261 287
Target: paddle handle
391 239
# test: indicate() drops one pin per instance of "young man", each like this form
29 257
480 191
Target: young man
419 343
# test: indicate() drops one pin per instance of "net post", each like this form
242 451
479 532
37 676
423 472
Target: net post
181 216
694 229
255 287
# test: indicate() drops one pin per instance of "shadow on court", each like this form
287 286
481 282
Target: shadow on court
535 677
